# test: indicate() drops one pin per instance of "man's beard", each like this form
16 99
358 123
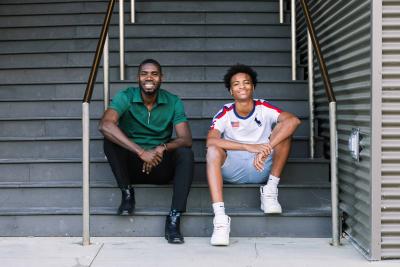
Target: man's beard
150 93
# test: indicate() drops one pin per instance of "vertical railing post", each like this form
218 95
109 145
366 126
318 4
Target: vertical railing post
293 30
106 69
281 20
332 124
86 125
133 11
85 174
334 176
311 92
121 41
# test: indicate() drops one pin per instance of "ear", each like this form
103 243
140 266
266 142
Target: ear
230 90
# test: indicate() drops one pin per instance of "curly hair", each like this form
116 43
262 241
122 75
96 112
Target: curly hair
239 68
150 61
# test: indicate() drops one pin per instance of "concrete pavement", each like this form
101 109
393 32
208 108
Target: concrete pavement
155 251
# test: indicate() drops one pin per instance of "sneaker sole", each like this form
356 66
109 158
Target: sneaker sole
220 244
270 211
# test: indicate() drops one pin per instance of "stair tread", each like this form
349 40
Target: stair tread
164 82
61 99
75 138
93 160
23 118
310 212
108 184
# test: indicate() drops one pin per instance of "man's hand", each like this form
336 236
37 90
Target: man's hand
260 157
160 150
152 158
259 161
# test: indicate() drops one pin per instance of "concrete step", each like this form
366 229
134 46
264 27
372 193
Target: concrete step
167 59
150 222
72 148
198 108
87 7
272 90
149 18
176 73
72 127
50 32
36 170
291 197
149 44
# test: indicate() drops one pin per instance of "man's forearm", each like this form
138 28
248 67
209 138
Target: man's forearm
178 142
113 133
283 130
225 144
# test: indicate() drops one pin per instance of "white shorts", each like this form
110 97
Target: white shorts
238 168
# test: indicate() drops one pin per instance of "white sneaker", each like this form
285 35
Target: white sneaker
269 200
222 227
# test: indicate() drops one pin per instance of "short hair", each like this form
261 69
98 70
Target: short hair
150 61
239 68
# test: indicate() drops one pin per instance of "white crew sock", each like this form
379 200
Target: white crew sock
219 208
272 184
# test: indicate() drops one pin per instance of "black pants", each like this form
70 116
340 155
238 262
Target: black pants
176 165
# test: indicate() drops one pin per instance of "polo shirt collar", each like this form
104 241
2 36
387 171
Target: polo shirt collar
137 97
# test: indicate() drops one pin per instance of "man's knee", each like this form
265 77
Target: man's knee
184 154
215 154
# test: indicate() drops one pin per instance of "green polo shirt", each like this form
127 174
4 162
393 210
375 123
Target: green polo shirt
148 128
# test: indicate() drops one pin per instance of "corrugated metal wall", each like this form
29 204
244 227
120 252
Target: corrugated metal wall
344 31
391 129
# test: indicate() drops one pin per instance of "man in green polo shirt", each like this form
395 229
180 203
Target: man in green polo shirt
137 128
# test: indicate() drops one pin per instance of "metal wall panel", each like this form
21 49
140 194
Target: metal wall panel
344 31
390 206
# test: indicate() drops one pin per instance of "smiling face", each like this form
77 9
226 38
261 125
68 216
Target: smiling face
242 87
149 79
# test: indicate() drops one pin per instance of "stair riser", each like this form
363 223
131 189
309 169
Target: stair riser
147 6
193 108
12 76
167 59
73 128
270 90
132 31
150 44
294 173
160 197
73 149
103 225
143 18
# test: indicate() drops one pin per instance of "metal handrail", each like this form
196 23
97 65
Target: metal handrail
85 122
317 48
332 122
99 50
